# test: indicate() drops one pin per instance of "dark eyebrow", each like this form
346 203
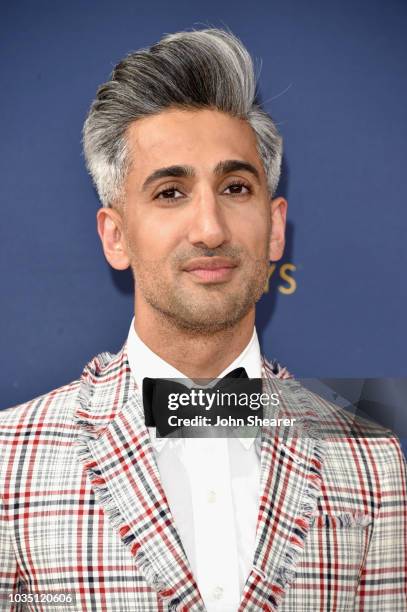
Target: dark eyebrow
175 171
234 165
223 167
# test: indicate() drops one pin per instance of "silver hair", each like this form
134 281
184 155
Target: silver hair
196 69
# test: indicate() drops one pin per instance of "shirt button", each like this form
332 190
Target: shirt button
211 497
217 592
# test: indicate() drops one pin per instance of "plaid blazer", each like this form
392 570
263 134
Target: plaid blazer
82 508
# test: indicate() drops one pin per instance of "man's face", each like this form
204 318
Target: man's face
197 218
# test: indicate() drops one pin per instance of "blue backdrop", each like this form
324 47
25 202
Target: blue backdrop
333 77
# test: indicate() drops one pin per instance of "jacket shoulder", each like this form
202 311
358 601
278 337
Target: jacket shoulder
56 408
351 434
46 406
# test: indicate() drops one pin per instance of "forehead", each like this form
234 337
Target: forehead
200 138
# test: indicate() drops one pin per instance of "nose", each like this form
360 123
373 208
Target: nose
208 226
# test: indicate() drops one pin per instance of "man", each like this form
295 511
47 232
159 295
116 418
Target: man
94 503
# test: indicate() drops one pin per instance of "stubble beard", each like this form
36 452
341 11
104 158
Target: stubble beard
210 308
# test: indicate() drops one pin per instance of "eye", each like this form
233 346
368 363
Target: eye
238 188
168 193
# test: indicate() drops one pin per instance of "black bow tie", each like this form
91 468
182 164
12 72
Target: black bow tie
157 393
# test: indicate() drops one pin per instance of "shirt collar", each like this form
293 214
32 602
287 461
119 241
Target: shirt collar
144 362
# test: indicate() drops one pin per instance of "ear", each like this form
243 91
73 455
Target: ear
110 230
278 224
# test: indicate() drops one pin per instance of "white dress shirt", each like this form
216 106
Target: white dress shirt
212 487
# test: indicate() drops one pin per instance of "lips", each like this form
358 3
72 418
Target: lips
211 269
209 263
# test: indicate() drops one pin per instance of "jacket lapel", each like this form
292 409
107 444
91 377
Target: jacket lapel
114 446
290 485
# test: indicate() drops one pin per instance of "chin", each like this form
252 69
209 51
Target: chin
209 321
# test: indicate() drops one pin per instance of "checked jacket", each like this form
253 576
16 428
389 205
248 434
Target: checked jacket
83 510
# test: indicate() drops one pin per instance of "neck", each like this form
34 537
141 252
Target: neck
197 355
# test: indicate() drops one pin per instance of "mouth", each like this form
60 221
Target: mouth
211 269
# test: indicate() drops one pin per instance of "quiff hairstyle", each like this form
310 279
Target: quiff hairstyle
198 69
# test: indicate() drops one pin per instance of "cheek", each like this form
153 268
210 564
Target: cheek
151 242
252 230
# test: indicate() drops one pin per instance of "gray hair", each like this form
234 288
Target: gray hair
196 69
